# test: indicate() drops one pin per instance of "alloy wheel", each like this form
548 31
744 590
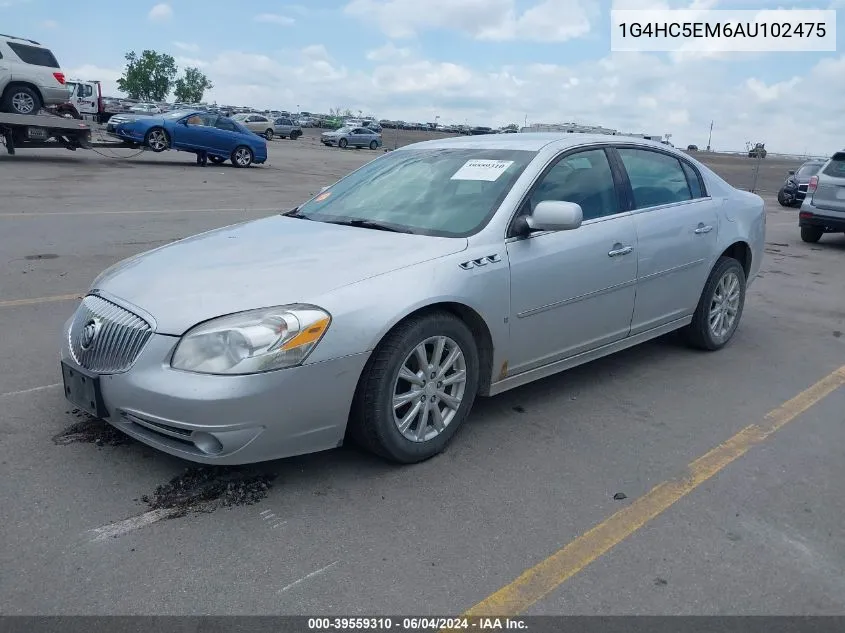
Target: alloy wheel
724 305
429 388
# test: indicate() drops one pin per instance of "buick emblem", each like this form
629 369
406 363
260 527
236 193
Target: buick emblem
89 334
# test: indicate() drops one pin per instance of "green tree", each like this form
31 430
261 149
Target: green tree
191 87
149 76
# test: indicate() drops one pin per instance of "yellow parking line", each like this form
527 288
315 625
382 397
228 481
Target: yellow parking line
543 578
28 302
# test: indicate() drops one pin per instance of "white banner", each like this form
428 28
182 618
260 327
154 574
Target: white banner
692 30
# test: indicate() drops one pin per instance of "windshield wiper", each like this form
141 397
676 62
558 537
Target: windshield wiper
294 213
368 224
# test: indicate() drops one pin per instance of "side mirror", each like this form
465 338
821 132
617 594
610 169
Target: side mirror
791 172
555 215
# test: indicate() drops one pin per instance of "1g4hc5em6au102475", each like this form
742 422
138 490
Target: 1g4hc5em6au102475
723 31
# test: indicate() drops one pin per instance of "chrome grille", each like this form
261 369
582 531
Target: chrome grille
119 336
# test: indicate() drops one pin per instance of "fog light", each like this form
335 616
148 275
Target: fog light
207 443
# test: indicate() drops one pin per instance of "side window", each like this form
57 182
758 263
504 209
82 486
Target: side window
656 178
34 55
584 178
226 124
693 181
85 90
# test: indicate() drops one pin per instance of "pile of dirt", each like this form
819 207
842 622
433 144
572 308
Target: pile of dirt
206 488
90 430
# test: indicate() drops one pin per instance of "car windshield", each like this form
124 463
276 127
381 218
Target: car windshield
808 170
442 192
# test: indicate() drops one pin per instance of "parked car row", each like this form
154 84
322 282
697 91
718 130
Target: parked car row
283 127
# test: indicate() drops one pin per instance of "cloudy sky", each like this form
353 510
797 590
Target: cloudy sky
485 62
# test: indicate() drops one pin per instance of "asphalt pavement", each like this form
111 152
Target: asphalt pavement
95 524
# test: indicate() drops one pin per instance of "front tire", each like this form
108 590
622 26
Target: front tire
157 140
216 159
242 156
342 143
417 389
811 234
783 200
21 100
719 309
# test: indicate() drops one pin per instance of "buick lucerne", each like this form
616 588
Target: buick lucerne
381 307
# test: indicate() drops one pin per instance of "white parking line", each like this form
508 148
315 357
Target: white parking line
131 524
311 575
137 212
31 390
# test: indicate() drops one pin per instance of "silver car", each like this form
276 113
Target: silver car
359 137
823 208
285 127
381 307
30 76
258 123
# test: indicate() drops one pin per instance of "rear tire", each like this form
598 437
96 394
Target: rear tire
412 430
373 145
719 309
811 234
268 134
242 156
21 100
157 140
216 159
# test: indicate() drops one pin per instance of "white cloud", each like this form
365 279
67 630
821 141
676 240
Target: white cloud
160 12
548 20
274 18
190 62
187 47
388 52
50 24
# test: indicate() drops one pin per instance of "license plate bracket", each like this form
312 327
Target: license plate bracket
83 390
37 133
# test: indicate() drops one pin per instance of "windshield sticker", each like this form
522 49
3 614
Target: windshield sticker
489 170
322 196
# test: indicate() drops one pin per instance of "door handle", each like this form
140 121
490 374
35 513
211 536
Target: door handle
703 229
620 250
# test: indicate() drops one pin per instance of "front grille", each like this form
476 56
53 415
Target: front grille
118 336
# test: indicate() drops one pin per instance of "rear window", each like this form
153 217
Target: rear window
809 170
836 167
34 55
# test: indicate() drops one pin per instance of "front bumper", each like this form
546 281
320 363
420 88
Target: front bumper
229 420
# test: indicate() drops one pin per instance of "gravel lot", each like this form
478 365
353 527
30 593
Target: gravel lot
93 523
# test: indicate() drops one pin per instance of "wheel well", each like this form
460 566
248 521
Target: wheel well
741 252
26 84
476 325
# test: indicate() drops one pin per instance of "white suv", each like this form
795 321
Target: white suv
30 76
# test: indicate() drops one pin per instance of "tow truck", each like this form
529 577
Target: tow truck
86 102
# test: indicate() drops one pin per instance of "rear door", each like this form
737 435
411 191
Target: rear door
829 196
677 234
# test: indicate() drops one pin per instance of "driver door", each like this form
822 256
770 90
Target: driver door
573 291
195 133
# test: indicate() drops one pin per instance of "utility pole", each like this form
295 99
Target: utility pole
710 136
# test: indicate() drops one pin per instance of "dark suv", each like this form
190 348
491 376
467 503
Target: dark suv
823 209
794 188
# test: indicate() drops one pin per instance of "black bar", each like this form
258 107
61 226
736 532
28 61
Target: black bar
534 624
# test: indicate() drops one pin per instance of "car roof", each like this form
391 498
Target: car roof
531 141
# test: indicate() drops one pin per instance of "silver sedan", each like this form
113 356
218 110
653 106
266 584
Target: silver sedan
381 307
359 137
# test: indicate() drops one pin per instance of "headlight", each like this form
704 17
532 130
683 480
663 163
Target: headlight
252 342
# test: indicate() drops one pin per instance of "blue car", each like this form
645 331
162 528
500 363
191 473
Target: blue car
195 131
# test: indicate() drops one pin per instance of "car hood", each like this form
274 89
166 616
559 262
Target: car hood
261 263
